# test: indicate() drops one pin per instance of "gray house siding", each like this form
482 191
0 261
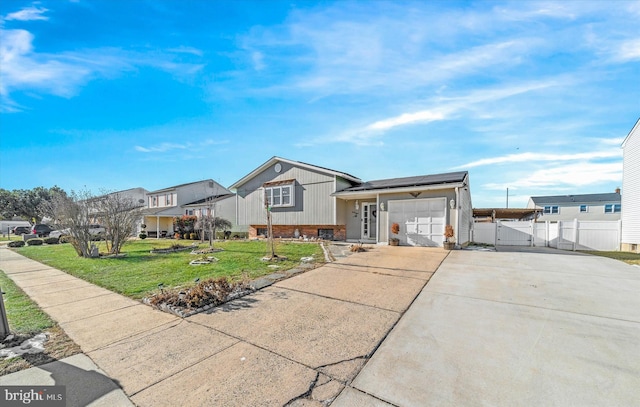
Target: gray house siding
631 190
313 204
466 215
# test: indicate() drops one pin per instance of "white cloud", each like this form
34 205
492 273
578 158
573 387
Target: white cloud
628 50
186 50
576 175
167 147
28 14
161 148
406 118
63 74
531 157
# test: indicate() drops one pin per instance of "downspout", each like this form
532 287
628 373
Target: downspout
379 212
458 206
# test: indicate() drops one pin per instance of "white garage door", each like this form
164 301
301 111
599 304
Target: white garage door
421 221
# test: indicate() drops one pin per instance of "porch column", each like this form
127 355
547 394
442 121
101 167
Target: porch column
157 227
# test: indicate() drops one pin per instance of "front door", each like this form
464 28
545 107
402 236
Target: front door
369 220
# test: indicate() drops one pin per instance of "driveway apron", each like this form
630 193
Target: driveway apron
528 327
297 342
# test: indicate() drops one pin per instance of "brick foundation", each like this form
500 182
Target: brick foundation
310 231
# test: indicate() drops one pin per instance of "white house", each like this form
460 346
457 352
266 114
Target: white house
165 204
606 206
631 191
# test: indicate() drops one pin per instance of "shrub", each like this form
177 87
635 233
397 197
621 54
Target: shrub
35 242
395 228
193 236
177 236
185 236
212 291
142 236
16 243
51 240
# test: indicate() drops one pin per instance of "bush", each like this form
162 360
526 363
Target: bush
35 242
16 243
142 236
65 239
51 240
193 236
185 236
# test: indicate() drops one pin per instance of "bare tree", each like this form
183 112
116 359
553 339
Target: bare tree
73 212
119 213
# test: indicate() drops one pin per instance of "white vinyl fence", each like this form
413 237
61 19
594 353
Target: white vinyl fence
566 235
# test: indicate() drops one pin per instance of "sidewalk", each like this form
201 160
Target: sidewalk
297 342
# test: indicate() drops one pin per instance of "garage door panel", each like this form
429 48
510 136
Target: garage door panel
421 221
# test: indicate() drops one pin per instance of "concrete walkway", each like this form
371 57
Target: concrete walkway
297 342
517 327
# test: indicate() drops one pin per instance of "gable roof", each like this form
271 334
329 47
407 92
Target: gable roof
180 186
613 197
407 182
632 132
276 159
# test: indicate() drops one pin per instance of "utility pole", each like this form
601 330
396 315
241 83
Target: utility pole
507 198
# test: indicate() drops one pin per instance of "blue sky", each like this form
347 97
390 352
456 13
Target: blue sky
534 96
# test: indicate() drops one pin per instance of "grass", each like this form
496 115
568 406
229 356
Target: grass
26 319
138 274
627 257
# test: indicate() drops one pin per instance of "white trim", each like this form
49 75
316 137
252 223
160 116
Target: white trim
373 192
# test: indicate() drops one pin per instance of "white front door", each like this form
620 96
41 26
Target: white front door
369 220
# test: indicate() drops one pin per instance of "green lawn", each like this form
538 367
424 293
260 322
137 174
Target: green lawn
627 257
24 316
138 274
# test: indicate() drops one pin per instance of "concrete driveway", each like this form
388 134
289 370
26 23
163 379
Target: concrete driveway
529 327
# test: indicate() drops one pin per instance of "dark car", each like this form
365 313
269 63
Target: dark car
41 230
21 230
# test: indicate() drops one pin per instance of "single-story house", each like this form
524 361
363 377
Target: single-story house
605 206
306 200
165 204
631 191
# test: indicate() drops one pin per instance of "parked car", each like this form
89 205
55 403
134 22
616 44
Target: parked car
21 230
41 229
94 230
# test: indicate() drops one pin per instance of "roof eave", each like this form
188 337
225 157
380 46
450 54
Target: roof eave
416 188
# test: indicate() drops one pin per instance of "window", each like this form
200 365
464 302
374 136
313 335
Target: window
188 212
584 209
168 199
612 208
154 201
552 209
280 196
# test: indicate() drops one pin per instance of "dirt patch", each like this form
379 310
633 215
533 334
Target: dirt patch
57 346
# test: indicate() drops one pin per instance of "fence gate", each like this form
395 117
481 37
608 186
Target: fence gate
514 233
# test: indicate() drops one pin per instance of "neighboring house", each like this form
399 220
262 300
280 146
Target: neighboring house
165 204
138 197
631 191
605 206
316 202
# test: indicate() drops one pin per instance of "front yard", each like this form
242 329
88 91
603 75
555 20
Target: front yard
627 257
138 274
